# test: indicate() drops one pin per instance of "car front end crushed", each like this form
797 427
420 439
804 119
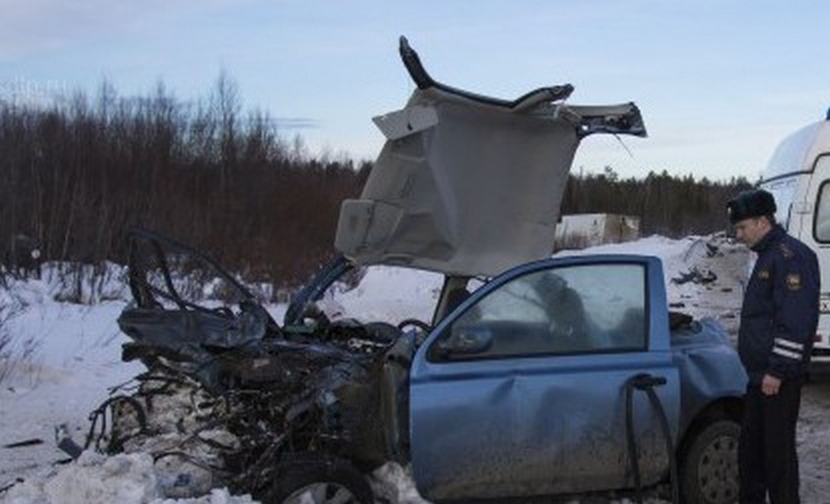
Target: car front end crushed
229 396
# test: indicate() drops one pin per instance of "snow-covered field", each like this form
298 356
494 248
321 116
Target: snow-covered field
73 358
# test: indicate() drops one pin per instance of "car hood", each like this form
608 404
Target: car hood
467 184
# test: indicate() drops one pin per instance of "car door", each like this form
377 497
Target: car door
521 390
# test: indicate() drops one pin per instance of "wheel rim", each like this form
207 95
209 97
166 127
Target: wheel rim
718 471
322 493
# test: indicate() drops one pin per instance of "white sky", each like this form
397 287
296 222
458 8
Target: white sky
719 82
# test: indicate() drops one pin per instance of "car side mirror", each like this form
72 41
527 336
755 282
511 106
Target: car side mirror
466 341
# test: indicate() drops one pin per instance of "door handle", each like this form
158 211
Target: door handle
646 381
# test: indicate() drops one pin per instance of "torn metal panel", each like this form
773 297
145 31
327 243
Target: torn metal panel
453 199
467 184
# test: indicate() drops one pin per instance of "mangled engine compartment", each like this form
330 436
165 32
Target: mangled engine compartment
229 395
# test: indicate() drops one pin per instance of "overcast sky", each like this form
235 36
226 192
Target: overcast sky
719 82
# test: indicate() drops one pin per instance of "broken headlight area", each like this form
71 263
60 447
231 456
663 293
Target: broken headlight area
229 395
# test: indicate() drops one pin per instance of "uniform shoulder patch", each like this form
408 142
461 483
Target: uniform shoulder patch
786 251
793 281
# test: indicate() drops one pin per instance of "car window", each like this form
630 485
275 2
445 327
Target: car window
566 310
821 227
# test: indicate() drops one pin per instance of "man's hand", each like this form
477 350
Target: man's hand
770 385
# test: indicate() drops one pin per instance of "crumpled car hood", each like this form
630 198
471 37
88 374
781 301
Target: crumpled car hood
467 184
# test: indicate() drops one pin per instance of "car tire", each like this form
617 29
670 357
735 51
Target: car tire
319 479
709 465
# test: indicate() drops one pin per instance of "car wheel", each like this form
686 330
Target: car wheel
709 466
317 479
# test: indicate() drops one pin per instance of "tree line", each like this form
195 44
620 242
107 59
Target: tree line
669 205
79 173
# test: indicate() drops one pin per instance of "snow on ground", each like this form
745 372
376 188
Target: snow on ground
74 358
390 294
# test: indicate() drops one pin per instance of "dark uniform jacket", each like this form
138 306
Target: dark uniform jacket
779 316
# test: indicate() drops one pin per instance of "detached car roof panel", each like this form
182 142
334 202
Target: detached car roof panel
467 184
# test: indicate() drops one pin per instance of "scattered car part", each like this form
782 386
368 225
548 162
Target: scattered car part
26 442
64 441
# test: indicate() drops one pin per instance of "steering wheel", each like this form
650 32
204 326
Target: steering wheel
423 326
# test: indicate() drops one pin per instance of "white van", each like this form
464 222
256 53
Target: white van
798 175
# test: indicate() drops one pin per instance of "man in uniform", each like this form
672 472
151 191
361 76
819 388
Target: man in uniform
779 318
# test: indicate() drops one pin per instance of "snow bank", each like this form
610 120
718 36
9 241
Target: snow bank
96 478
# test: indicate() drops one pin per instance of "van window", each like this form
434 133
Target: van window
783 191
821 224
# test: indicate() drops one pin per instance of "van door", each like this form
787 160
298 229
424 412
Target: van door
521 390
812 226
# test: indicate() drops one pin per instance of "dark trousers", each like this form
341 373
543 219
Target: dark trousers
767 458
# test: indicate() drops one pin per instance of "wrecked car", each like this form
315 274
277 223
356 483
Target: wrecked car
535 375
